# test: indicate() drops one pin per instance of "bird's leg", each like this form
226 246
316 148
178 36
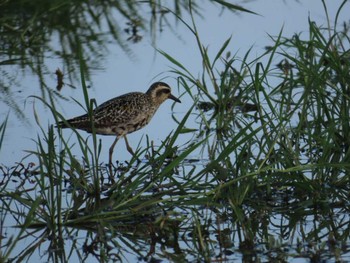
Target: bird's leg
111 155
128 146
130 150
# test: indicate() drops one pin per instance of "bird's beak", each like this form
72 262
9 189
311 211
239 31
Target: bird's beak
171 96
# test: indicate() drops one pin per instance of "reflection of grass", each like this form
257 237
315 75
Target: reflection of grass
2 130
35 32
269 169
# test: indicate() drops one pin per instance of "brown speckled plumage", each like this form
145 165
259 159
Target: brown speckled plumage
124 114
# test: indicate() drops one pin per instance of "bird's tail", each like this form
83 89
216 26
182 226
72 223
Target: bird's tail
61 125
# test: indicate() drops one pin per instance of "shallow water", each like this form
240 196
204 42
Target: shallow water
166 207
279 226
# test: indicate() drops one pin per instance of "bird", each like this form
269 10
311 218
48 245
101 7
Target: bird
123 115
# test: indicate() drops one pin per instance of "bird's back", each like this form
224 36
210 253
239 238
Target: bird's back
118 116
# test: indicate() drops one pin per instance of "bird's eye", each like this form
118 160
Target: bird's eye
162 91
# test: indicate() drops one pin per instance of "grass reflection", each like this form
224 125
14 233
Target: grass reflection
35 32
274 186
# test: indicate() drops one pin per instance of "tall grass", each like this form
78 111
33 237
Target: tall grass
273 136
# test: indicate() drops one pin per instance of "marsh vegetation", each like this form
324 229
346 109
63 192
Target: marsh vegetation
271 183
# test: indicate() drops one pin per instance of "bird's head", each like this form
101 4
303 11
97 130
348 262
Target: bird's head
160 91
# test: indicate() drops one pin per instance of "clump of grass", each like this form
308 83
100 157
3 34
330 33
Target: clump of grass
292 143
274 134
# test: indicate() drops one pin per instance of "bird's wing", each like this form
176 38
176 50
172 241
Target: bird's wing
119 109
